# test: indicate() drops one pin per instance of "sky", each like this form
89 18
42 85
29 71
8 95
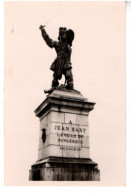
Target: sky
98 60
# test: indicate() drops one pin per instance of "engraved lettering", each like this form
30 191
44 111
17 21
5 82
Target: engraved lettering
63 128
67 128
58 127
73 129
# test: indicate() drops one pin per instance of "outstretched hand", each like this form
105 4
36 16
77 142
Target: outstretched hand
41 27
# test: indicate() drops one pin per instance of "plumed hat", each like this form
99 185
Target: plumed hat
70 34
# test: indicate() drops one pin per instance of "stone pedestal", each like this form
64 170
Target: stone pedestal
64 150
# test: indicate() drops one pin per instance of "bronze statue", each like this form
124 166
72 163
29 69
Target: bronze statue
62 63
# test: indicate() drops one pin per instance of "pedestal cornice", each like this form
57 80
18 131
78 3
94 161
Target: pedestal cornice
64 99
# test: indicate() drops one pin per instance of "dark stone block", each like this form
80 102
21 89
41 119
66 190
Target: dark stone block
65 169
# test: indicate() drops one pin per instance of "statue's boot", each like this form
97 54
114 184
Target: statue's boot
69 81
69 87
49 90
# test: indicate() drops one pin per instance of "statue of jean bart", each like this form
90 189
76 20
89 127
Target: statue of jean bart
62 63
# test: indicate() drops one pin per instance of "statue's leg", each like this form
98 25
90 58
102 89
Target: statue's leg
55 82
69 79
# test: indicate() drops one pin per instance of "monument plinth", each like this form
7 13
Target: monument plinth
64 149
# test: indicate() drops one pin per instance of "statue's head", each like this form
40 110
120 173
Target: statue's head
66 35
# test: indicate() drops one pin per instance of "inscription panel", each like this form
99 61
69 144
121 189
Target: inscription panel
68 136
